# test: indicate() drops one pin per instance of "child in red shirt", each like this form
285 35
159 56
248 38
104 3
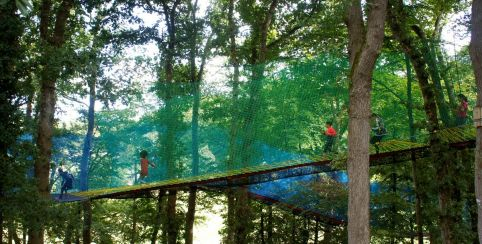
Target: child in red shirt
144 166
330 134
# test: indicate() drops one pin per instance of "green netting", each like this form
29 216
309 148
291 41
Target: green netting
274 117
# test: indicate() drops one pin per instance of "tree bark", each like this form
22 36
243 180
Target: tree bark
475 50
86 230
158 219
440 155
172 225
364 48
190 216
269 238
234 127
86 150
429 60
134 223
261 227
418 203
51 70
170 19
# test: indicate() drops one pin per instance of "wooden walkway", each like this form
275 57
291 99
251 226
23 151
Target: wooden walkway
391 151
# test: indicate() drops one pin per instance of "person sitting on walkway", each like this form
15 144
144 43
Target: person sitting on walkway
378 130
67 182
461 113
330 134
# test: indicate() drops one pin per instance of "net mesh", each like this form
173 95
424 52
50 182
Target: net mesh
274 117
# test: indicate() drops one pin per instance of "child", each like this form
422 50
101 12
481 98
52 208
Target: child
330 134
461 116
379 131
144 166
67 182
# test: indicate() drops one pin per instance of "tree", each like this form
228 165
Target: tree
476 56
363 48
52 36
11 30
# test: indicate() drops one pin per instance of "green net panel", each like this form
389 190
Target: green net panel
273 117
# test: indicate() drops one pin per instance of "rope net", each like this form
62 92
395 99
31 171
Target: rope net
272 116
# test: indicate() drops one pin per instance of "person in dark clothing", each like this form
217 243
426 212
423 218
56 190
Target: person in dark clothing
330 134
67 182
378 130
462 108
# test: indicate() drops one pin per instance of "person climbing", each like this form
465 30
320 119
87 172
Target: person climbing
67 182
330 134
144 166
378 130
461 113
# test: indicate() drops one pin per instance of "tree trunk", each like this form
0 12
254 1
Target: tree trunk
364 48
87 209
476 56
429 59
418 206
172 225
230 218
234 127
317 229
191 209
261 227
438 149
69 231
49 74
269 238
158 219
293 229
242 222
84 163
134 223
170 20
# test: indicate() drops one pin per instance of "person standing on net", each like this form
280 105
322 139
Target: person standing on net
330 134
463 107
378 130
144 166
67 182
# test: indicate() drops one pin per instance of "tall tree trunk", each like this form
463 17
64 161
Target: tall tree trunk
158 219
234 127
87 209
172 225
429 59
476 56
258 59
134 223
84 163
230 218
415 171
440 154
69 231
269 238
195 84
261 227
190 216
364 48
317 229
51 52
170 19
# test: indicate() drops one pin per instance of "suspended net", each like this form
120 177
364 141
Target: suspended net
272 116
